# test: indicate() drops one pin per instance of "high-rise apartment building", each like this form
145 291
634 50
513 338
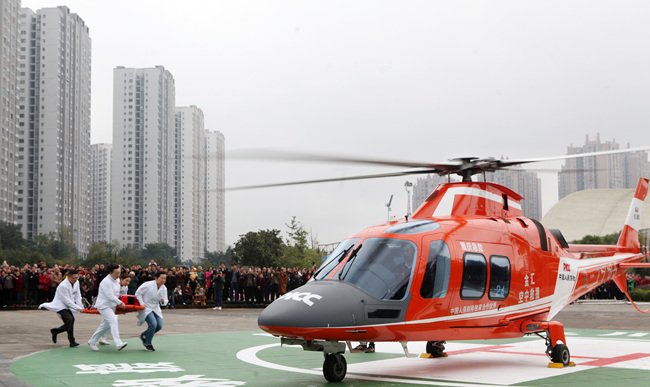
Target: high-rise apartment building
190 184
9 85
54 132
526 184
100 182
620 170
215 183
142 193
423 187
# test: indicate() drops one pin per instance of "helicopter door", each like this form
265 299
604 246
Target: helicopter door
431 295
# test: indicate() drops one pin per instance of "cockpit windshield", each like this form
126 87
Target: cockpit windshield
382 267
335 258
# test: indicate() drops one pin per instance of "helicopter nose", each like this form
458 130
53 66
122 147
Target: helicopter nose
324 303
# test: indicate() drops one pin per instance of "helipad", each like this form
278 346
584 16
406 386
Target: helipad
603 358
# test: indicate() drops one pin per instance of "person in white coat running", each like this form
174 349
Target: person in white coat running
151 295
66 302
108 297
125 280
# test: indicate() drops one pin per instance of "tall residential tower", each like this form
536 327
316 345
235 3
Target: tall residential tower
215 184
100 181
142 193
9 51
190 184
621 170
54 131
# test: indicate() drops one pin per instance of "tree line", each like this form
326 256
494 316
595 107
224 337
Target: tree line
263 248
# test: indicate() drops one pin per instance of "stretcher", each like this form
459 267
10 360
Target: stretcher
131 304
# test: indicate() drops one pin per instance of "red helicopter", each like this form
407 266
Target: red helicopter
467 265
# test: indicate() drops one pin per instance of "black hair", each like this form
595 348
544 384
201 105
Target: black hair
112 267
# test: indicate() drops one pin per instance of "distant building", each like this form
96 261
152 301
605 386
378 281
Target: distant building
620 170
215 196
9 85
526 184
424 186
523 182
190 183
142 171
100 183
54 134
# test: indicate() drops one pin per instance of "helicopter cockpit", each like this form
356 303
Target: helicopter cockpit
382 267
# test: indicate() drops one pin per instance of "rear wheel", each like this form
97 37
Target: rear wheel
436 348
334 367
560 354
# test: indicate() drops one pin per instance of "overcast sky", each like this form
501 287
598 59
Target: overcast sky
415 80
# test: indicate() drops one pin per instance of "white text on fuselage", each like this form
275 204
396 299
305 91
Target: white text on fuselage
473 308
472 247
305 297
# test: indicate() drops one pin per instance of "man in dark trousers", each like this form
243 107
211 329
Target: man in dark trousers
67 301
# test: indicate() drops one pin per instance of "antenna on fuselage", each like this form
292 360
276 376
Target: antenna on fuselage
388 206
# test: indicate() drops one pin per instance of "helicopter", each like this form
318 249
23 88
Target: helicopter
466 265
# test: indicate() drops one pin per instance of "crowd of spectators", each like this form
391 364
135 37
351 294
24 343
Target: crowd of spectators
32 285
35 284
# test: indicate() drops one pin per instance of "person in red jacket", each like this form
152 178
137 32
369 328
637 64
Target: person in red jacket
43 286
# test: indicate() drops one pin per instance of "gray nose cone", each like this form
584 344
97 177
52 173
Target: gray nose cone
324 303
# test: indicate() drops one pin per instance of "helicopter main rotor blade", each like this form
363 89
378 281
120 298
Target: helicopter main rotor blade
284 155
509 163
335 179
464 167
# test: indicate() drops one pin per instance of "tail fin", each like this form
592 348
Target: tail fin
630 235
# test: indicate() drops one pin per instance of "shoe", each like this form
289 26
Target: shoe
370 349
150 348
215 308
219 308
75 344
103 342
360 347
54 333
121 347
93 346
143 338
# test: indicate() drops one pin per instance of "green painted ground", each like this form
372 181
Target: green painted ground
255 359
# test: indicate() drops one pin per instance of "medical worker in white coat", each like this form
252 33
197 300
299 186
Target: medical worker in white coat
66 302
151 295
108 297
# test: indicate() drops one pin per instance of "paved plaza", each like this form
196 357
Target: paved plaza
204 347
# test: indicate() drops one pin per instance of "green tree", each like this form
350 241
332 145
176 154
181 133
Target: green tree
214 258
262 248
62 247
609 239
159 252
297 252
11 238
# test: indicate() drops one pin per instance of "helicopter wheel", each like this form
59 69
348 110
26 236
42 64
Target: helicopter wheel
560 354
334 367
436 348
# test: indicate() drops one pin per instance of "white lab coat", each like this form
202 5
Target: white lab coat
108 295
149 296
67 296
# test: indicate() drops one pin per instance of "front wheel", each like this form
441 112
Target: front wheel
560 354
334 367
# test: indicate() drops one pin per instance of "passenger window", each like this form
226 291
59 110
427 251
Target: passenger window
436 275
474 277
499 277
